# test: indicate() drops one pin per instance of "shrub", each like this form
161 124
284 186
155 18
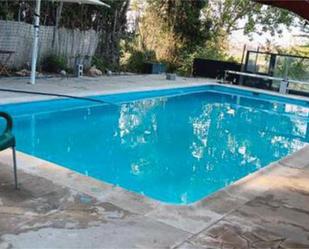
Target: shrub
136 60
209 51
99 63
171 68
54 64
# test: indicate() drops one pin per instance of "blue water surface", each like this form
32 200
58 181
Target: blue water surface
176 146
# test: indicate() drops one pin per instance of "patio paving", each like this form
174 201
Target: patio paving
45 215
90 86
58 208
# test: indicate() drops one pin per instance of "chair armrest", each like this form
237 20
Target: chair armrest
9 122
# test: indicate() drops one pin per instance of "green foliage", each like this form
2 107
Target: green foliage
182 18
209 51
169 27
227 14
54 64
171 68
7 10
136 60
176 30
99 63
296 68
179 31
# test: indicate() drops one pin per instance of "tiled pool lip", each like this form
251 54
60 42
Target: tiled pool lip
191 218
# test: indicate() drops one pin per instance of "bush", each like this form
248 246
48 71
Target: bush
136 60
210 51
171 68
99 63
54 64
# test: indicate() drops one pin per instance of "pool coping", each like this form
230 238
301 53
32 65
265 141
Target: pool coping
37 98
192 218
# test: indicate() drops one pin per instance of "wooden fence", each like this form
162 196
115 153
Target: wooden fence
71 44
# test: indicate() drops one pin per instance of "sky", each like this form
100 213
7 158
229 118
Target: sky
287 39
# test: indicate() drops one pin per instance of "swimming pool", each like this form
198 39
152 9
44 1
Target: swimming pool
176 146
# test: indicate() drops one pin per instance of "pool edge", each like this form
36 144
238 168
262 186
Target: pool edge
13 100
191 218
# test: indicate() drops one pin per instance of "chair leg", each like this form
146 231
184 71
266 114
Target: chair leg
15 167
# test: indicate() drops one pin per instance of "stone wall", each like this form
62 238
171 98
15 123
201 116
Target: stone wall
72 44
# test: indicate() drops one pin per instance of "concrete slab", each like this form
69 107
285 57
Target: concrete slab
63 218
130 233
296 160
196 217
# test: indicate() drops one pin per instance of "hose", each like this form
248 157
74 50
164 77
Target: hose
56 95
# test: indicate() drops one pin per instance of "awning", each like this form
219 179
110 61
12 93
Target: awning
299 7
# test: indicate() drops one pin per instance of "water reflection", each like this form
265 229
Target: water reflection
138 122
138 132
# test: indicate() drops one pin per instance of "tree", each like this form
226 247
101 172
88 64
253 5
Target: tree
171 26
227 14
177 29
113 28
231 15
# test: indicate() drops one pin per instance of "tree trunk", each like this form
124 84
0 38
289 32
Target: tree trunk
57 21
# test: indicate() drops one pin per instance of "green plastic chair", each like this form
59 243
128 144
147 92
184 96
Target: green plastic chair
7 140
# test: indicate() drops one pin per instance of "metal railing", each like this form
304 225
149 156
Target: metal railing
284 83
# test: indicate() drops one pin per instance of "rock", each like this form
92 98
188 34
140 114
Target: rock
109 72
94 72
23 73
63 73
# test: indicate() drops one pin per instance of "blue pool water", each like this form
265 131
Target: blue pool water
176 146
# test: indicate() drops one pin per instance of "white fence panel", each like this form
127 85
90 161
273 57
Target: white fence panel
72 44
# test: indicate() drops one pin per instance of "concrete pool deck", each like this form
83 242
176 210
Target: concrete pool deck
58 208
88 86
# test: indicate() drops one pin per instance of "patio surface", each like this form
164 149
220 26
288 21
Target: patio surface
58 208
89 86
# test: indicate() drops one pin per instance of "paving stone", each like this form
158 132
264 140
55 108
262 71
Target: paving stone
278 218
225 234
254 184
298 159
131 201
197 216
270 220
187 218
